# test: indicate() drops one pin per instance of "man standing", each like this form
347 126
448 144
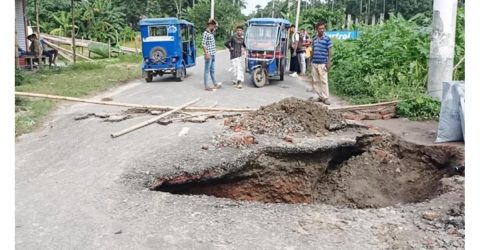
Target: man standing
321 63
208 44
294 37
235 44
303 42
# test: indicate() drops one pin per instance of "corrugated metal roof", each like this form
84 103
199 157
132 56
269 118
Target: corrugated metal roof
269 20
20 24
168 20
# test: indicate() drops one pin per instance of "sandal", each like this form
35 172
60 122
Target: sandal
218 85
208 89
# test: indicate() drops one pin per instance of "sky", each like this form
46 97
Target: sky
251 5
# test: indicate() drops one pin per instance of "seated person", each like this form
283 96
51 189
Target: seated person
21 52
50 52
36 48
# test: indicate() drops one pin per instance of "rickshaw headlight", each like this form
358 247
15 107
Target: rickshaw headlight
174 59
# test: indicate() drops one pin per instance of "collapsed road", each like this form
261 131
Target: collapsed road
226 184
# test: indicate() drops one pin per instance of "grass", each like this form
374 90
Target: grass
79 80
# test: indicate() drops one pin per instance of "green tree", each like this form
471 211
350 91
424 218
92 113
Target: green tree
310 17
101 21
64 24
227 15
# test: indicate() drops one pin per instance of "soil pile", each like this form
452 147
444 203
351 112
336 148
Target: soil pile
290 115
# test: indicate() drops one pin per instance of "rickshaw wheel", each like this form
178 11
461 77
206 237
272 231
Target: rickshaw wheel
180 74
259 77
149 78
282 69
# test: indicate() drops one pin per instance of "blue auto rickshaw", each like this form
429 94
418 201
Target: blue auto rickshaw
266 40
168 47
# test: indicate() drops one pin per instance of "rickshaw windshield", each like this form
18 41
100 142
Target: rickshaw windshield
160 30
261 37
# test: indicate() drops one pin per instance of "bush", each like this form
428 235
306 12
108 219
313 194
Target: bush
420 108
389 62
20 77
19 101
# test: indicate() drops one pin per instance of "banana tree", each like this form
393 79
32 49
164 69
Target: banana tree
63 20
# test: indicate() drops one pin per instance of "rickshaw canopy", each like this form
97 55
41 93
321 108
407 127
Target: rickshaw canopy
263 33
163 21
269 21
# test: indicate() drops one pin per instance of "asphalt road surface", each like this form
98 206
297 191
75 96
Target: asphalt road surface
77 188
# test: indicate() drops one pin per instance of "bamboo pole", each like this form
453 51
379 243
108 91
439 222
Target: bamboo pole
65 56
354 107
148 122
65 50
64 40
130 105
82 43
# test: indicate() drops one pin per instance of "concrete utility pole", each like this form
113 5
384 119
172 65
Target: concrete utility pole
298 15
212 7
442 47
273 8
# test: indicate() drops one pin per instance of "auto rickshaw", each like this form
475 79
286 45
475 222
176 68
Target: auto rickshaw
266 40
168 47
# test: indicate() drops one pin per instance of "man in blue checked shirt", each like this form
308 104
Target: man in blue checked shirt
208 44
321 63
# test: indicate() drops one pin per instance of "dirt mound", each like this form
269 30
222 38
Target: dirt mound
290 115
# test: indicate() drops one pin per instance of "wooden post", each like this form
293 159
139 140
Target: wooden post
148 122
73 34
135 42
109 55
82 47
37 18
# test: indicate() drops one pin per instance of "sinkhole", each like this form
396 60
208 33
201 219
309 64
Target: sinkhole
374 172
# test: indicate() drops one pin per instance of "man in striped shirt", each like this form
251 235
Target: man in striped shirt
321 63
208 44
